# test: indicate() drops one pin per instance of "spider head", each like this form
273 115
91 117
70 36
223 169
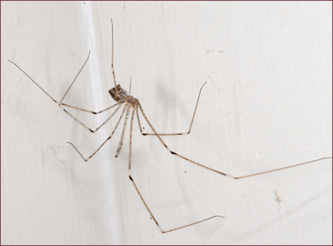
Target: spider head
118 94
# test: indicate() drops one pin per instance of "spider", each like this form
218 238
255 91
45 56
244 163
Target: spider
132 105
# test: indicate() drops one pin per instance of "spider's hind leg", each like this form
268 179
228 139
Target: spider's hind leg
143 200
172 134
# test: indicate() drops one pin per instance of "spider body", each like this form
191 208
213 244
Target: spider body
121 96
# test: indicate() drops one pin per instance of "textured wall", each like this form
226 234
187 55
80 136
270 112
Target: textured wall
268 105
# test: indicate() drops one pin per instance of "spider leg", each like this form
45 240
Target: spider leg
282 168
84 125
130 87
89 111
142 199
112 66
60 103
34 81
173 134
77 75
224 174
105 141
123 132
77 120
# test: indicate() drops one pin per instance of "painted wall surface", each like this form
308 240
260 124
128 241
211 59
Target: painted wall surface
268 105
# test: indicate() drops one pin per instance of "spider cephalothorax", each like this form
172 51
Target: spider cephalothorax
119 95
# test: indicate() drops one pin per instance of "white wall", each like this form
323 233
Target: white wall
268 105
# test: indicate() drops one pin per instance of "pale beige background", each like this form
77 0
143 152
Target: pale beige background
268 105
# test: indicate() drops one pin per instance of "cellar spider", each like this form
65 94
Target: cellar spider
133 105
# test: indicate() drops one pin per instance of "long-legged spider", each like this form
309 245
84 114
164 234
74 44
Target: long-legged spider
131 103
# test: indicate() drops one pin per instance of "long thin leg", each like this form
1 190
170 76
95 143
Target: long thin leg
112 66
144 202
90 111
109 137
281 168
60 103
74 79
34 82
123 132
224 174
130 87
67 105
174 134
85 126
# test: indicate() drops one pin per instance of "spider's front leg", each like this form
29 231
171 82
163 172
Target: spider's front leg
60 103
